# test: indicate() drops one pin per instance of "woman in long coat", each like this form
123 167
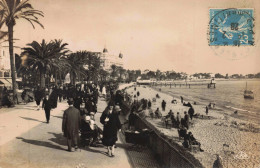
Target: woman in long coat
111 122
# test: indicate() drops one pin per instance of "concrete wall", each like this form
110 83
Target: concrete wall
169 153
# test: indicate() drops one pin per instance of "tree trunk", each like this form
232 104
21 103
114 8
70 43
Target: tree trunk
12 61
42 84
56 78
60 78
72 78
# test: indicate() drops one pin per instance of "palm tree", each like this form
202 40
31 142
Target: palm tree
2 22
11 11
103 75
77 61
59 63
121 72
114 71
42 57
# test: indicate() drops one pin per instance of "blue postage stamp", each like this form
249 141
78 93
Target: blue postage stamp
231 27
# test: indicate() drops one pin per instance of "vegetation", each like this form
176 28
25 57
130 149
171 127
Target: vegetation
10 11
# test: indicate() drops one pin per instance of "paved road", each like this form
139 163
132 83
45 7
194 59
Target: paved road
37 144
26 141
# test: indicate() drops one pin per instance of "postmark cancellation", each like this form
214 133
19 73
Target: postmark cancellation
231 27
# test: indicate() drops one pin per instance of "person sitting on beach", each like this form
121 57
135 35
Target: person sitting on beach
131 119
151 113
144 102
209 105
169 116
158 113
157 96
193 141
154 99
174 101
187 104
173 119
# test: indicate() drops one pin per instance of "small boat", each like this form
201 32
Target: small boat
248 94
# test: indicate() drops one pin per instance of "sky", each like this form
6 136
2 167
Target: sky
151 34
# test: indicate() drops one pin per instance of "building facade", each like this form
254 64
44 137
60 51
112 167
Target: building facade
108 59
4 55
5 70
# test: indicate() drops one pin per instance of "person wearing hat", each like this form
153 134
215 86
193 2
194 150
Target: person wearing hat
111 122
71 124
46 105
96 128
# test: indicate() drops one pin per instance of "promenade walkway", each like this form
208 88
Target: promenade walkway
27 141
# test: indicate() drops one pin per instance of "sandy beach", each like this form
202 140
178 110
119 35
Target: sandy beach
221 127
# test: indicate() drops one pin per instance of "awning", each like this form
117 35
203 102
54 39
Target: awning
5 83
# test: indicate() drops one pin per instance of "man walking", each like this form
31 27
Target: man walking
71 125
46 105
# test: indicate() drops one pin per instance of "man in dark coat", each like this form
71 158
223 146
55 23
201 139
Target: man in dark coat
163 105
191 112
46 105
71 125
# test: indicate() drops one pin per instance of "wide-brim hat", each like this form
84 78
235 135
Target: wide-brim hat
117 108
91 113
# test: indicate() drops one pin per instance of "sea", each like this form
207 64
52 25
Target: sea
228 95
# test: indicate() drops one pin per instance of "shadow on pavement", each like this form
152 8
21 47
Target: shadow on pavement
59 138
94 151
123 146
26 108
32 119
40 143
57 116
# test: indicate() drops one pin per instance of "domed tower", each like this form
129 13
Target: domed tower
105 50
120 55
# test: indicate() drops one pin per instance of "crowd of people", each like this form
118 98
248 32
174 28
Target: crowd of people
175 121
79 118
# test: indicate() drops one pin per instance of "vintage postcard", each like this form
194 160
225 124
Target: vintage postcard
129 83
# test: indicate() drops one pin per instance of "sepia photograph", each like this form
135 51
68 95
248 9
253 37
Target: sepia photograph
129 84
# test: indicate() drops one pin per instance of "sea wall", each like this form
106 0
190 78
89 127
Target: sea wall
169 153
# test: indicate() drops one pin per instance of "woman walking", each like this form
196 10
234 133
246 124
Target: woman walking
111 122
